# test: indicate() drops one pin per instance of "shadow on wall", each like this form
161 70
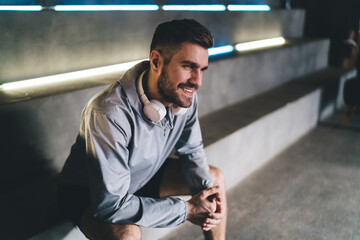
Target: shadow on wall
27 195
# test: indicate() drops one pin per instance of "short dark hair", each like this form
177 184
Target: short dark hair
168 36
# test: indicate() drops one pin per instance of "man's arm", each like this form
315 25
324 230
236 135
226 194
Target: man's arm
109 179
204 208
192 156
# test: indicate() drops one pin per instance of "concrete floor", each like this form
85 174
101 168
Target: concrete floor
310 191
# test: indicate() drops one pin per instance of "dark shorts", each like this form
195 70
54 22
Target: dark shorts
74 200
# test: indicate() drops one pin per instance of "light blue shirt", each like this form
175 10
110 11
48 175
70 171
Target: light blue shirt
119 150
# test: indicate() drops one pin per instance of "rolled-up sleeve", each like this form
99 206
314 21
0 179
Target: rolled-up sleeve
190 150
109 179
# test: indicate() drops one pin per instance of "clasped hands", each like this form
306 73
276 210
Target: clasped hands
205 208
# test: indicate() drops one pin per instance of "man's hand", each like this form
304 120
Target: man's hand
204 208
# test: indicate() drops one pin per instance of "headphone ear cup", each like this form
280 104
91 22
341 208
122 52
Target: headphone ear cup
177 111
155 111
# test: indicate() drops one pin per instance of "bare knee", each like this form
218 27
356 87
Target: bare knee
217 177
94 229
128 232
114 232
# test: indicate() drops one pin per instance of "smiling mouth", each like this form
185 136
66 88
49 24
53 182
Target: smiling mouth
187 89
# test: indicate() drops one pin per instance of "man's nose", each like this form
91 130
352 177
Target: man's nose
196 77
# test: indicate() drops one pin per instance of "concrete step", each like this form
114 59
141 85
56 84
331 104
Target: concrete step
234 79
306 192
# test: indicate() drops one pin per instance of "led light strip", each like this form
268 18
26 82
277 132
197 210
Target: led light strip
220 50
260 44
69 76
241 7
150 7
135 7
212 7
21 8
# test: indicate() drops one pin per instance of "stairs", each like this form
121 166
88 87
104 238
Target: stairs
253 106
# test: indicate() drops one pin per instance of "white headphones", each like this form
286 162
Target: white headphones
154 109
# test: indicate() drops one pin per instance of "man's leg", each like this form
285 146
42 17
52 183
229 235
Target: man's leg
173 184
94 229
218 232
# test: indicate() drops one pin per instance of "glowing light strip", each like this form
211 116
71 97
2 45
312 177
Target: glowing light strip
220 50
21 8
69 76
150 7
240 7
213 7
260 44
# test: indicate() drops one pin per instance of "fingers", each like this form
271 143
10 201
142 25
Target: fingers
209 207
209 224
219 207
216 216
218 197
205 208
206 228
210 191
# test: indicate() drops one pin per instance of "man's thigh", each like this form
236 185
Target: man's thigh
173 182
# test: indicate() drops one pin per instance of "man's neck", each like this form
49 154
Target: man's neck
150 83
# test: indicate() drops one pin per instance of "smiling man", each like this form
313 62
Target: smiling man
119 176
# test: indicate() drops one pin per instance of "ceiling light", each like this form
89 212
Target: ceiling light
213 7
240 7
20 8
106 7
220 50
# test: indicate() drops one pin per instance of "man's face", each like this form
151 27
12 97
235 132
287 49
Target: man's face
182 76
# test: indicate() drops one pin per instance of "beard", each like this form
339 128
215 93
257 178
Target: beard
172 93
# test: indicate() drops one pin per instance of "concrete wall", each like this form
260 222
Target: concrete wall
36 44
232 80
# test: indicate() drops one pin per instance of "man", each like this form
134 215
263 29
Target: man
118 175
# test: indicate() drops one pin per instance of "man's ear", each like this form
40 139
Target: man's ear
156 61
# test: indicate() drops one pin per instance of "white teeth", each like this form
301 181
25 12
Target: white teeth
187 90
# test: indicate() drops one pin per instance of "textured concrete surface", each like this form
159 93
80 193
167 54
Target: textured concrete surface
229 79
250 147
235 79
245 112
310 191
36 44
